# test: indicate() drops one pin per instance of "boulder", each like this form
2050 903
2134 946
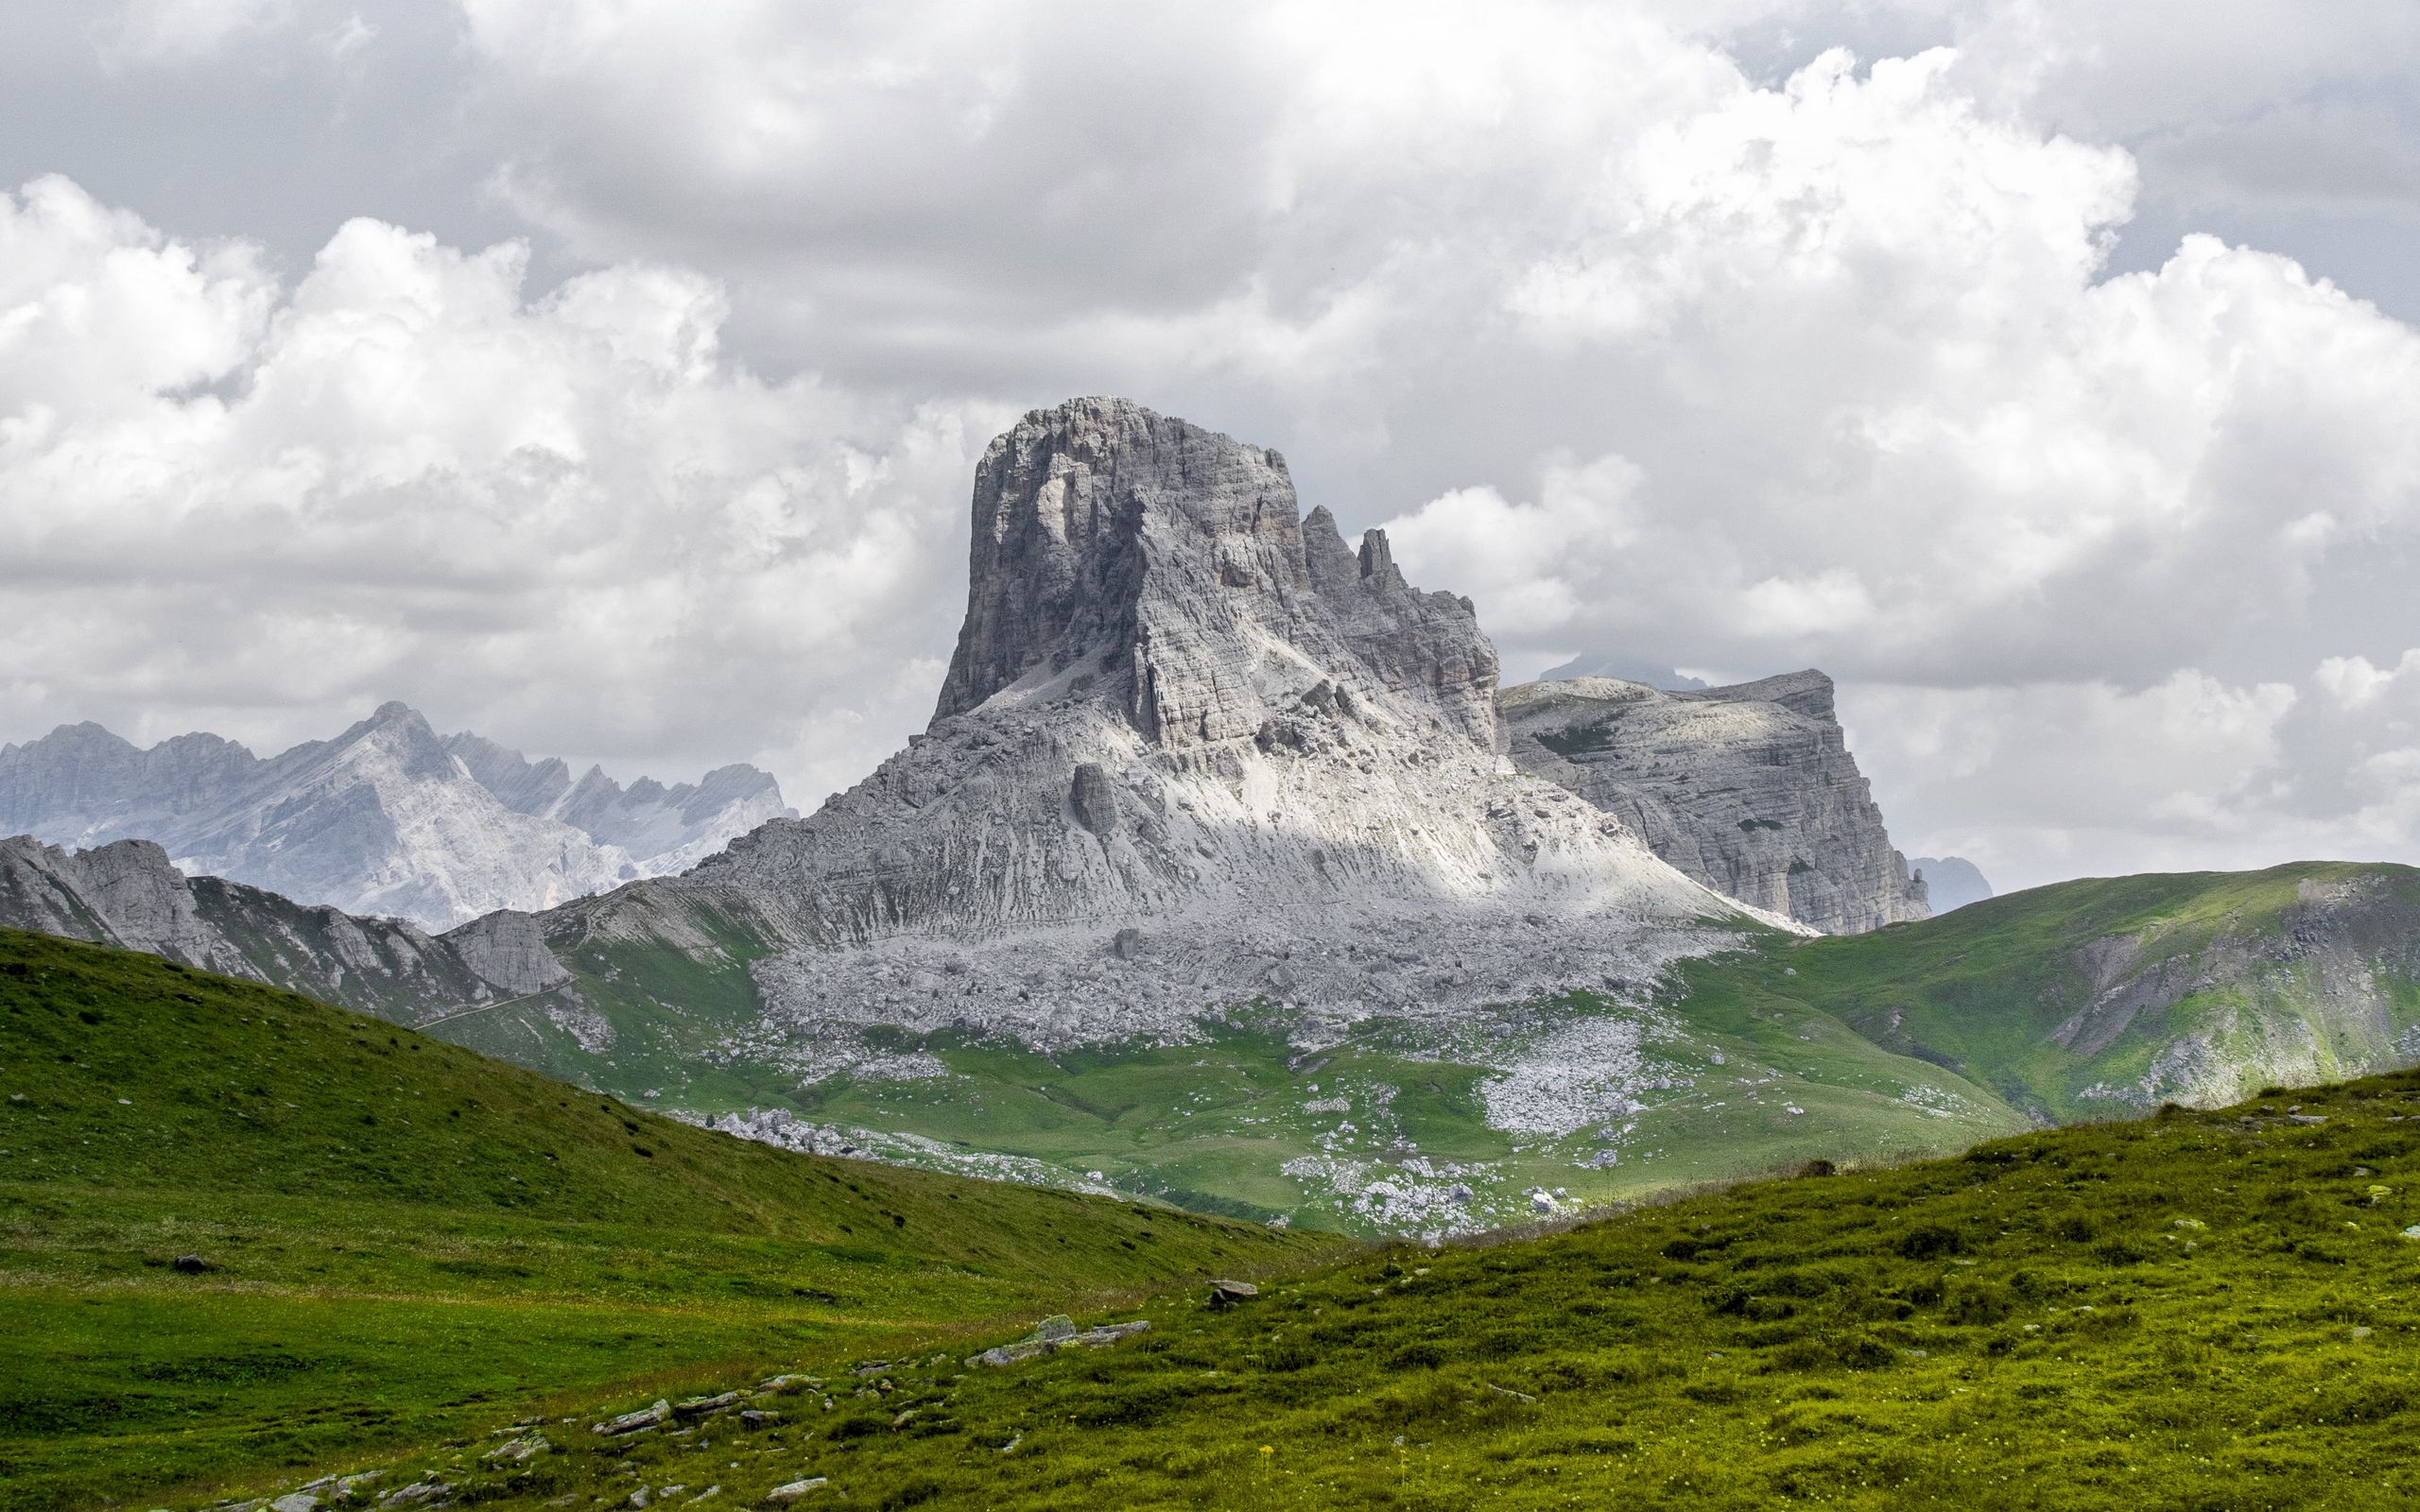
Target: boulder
631 1422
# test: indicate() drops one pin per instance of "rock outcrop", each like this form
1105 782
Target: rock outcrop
388 818
1749 789
126 893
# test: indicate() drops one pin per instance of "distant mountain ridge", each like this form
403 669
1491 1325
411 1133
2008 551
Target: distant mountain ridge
1953 881
389 818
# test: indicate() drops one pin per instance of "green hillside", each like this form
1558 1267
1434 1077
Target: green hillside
2089 998
2094 998
1367 1135
403 1239
2190 1313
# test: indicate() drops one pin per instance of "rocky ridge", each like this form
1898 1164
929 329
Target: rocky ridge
1749 789
127 893
386 818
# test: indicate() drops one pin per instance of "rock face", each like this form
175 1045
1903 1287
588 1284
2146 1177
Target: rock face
128 894
1192 751
1950 882
388 818
1749 789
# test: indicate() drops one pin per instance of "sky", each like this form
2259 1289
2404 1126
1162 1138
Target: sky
609 379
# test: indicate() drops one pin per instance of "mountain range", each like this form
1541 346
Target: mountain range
389 818
1225 872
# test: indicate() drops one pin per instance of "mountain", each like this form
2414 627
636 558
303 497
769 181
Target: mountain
1210 878
1222 874
395 1240
128 894
2089 998
386 818
1624 669
1950 882
1192 751
1749 789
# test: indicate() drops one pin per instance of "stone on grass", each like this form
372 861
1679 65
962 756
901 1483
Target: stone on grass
1046 1340
630 1423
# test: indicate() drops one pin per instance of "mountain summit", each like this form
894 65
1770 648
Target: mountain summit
1193 750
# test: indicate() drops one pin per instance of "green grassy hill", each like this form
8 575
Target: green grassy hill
404 1238
2194 1311
2089 999
2093 998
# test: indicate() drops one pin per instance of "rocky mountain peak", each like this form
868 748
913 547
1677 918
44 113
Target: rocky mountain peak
1124 556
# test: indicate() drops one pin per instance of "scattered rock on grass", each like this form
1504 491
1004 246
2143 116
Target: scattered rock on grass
630 1423
1050 1337
520 1451
783 1495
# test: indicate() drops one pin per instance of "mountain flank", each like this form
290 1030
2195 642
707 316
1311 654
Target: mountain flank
1749 789
1951 881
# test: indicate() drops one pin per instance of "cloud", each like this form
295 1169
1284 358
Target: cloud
1900 364
169 32
567 521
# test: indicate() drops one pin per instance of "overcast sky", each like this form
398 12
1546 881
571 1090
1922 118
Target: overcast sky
608 379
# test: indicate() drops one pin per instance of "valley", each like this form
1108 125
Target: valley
398 1238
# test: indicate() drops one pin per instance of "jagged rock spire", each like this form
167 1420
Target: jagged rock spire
1126 555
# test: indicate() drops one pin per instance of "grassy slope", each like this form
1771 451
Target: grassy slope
1211 1126
405 1237
2199 1310
1981 989
1914 1040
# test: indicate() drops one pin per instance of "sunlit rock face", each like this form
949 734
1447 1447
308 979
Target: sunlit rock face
1749 789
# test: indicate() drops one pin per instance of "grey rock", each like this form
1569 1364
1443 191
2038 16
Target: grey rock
520 1451
1228 1294
1056 1329
294 1502
630 1423
1749 789
1059 1333
128 894
782 1495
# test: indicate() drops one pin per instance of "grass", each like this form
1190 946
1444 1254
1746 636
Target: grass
405 1239
1912 1039
1983 991
2192 1311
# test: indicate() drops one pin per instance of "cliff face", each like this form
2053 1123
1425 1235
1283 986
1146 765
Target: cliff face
1171 565
1749 789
